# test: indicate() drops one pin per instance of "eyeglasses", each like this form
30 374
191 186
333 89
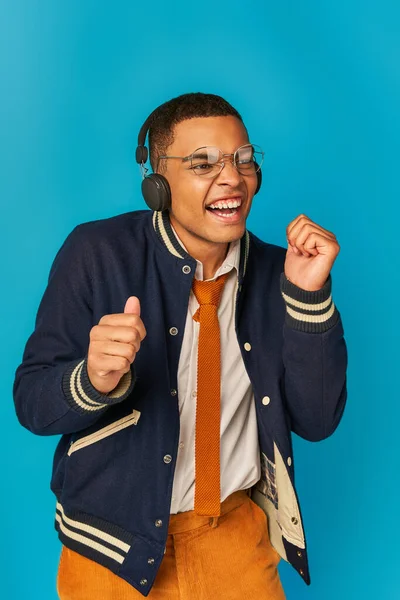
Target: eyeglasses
208 161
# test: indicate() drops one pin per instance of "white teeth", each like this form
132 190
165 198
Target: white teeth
226 204
227 215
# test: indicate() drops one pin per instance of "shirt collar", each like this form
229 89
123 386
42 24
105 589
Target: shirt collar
232 259
163 229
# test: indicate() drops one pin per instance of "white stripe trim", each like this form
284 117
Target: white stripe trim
79 402
88 542
86 398
94 531
247 249
306 305
311 318
75 396
87 440
164 235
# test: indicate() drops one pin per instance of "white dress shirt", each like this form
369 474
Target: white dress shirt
240 455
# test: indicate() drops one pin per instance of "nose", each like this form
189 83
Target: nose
229 174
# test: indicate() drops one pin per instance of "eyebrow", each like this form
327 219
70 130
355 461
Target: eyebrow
199 155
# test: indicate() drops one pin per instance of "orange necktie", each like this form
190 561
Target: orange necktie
207 495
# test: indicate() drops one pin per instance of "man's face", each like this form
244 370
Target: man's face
192 194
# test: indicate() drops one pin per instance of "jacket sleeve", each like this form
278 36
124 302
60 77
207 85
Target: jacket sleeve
52 390
315 360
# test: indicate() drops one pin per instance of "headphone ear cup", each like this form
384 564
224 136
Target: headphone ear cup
141 154
259 180
156 192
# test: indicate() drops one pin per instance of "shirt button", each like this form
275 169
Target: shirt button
294 521
194 393
158 523
143 581
247 346
167 458
266 400
173 392
173 331
181 445
150 561
289 461
186 269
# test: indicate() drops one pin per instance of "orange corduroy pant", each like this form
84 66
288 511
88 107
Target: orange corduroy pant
226 558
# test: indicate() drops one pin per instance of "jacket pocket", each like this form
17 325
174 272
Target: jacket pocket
100 434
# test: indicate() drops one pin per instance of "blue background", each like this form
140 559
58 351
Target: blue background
318 85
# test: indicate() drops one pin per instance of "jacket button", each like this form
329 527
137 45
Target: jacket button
294 521
289 461
266 400
173 392
186 269
301 572
173 331
299 554
150 561
247 346
143 581
158 523
167 458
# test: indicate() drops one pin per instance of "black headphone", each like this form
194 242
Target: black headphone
155 187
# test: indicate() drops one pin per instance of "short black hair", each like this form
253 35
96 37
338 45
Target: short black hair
181 108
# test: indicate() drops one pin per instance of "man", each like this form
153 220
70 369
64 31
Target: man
176 352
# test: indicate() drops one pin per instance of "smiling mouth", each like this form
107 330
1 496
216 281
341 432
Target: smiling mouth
227 208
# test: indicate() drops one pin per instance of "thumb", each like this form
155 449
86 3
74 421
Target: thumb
132 306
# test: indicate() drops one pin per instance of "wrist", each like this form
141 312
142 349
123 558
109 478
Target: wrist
311 311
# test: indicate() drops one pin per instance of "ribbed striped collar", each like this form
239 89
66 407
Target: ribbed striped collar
163 229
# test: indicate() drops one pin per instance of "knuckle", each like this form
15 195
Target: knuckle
131 336
122 363
93 332
131 353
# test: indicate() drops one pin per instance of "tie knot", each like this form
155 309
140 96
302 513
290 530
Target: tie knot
209 292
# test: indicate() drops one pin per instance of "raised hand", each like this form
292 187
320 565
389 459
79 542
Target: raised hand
311 253
114 343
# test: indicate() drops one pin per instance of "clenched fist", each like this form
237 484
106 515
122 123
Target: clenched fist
114 343
311 252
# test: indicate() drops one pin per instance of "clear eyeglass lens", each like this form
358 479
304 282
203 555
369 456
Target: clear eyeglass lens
248 159
208 161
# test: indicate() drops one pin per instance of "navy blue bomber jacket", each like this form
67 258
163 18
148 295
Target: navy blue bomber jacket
112 484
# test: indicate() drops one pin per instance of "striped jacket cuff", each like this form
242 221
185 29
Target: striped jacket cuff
312 312
84 398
